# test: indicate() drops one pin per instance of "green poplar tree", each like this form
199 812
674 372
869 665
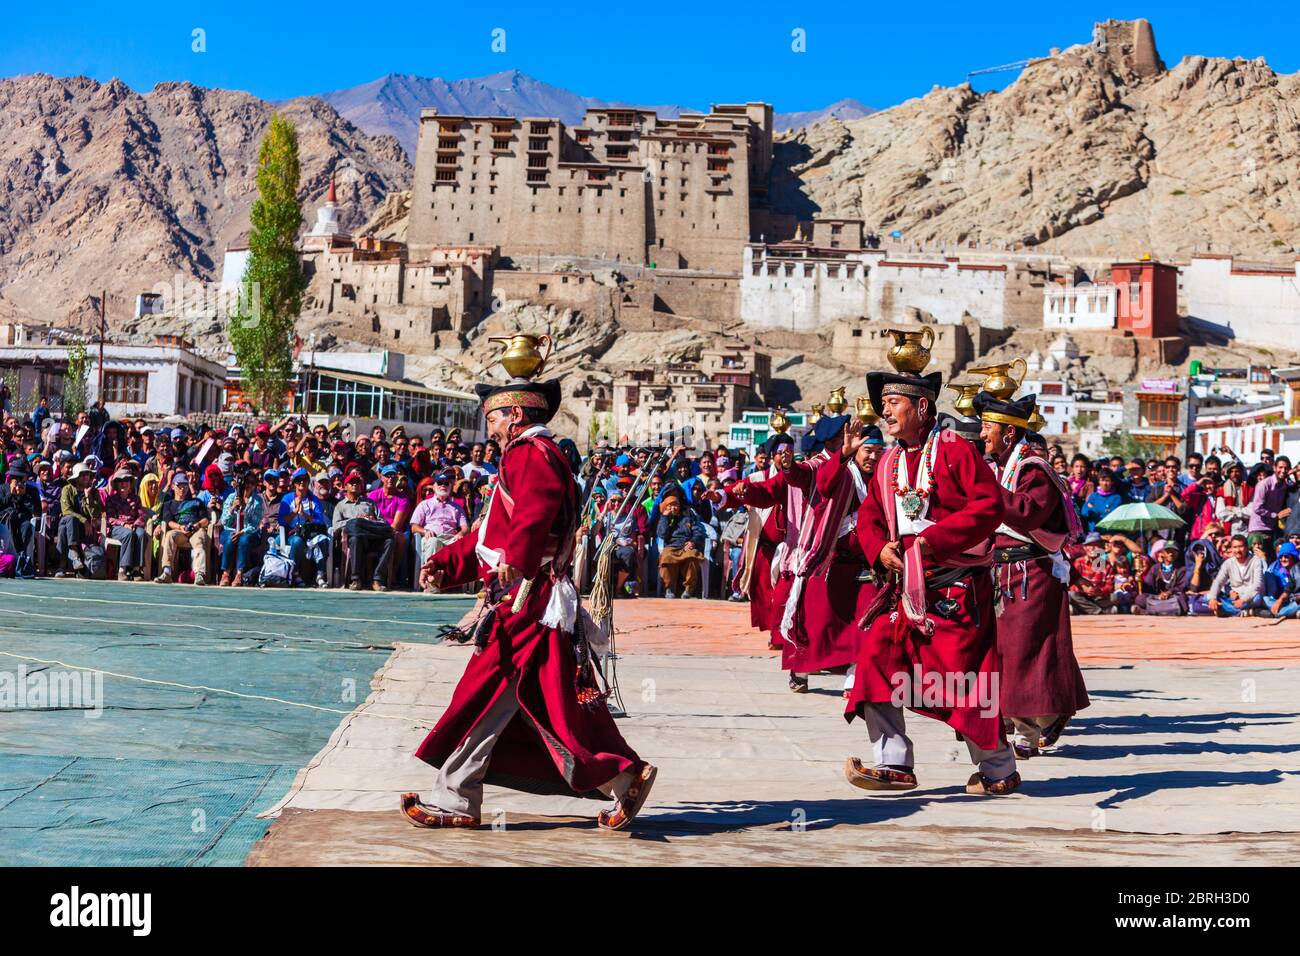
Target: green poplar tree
262 328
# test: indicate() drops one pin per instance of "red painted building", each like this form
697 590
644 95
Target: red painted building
1147 304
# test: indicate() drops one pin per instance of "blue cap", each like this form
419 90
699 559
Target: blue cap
622 460
271 473
389 470
442 476
178 433
827 427
300 473
871 436
1290 550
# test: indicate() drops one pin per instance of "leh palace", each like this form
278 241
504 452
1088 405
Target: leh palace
707 269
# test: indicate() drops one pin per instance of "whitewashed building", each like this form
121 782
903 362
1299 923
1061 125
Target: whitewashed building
1252 302
1083 306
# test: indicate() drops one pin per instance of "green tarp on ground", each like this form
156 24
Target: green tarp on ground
211 700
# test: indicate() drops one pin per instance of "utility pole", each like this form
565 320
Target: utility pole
103 299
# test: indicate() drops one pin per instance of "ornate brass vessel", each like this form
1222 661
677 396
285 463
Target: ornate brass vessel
778 422
866 414
1036 422
909 356
816 415
1000 383
837 403
964 403
521 358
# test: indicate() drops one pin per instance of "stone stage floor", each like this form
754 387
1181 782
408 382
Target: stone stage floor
1189 755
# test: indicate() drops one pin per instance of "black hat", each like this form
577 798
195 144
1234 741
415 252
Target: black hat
827 427
540 396
871 435
880 384
18 468
780 438
1004 412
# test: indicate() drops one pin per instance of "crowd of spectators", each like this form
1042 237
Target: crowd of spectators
268 504
1235 551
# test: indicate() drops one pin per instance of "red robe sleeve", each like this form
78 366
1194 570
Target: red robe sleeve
972 500
767 493
1034 503
829 475
539 492
458 561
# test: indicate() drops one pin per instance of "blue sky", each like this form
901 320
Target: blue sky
879 53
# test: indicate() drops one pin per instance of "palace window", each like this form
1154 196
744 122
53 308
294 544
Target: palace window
131 388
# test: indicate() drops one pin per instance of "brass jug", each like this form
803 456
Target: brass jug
866 414
1036 422
816 415
909 356
964 403
778 422
1000 383
837 403
521 358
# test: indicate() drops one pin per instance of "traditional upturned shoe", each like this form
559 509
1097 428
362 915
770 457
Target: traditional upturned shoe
981 785
1053 732
1024 751
877 778
629 805
798 685
423 815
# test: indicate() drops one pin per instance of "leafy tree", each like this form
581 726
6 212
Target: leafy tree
262 328
1128 447
76 379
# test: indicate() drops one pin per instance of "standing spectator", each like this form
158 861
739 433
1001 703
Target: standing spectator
1139 485
1081 487
1232 506
186 526
1238 587
394 507
127 519
1268 505
1101 502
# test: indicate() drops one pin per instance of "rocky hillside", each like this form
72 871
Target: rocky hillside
102 187
1082 151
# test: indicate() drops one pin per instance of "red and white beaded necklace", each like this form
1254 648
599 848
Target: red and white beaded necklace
912 500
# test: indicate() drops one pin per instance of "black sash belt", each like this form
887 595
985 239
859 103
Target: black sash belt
1020 552
947 577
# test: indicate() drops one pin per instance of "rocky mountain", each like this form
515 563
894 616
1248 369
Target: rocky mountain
842 110
1085 151
103 187
391 104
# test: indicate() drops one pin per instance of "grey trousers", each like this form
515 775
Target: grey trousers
891 747
1029 730
459 787
134 541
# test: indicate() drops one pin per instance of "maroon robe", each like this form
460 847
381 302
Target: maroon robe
965 506
1040 674
553 744
767 601
833 599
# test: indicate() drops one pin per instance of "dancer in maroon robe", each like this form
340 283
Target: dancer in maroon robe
930 642
832 587
526 713
1041 684
766 531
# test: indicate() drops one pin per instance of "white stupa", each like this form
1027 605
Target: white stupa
327 231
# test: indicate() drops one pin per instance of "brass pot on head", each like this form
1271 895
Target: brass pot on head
1000 382
1036 422
522 359
837 403
866 414
778 422
816 415
909 356
964 403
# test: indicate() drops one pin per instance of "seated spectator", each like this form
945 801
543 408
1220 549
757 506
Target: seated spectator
127 519
80 507
20 513
683 545
1125 581
1283 582
395 507
1238 587
1164 586
369 537
237 548
303 518
1092 592
629 533
185 525
437 520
